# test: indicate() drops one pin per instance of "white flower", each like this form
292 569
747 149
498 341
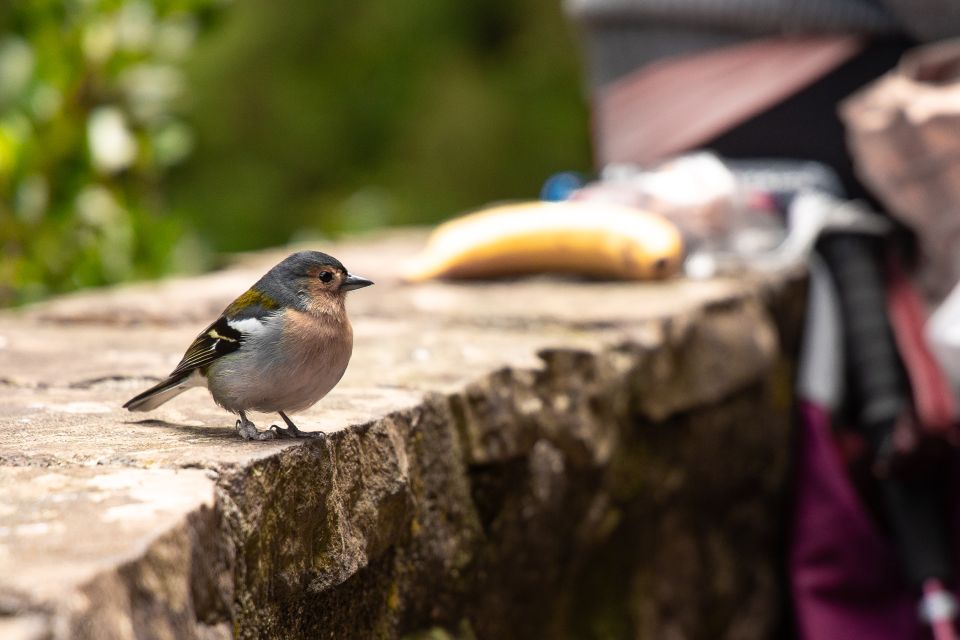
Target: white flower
112 146
97 207
150 89
16 67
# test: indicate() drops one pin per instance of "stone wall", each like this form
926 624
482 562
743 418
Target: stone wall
531 459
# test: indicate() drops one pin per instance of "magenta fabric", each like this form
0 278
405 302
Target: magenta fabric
845 576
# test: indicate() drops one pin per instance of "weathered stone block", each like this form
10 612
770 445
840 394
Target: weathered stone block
538 458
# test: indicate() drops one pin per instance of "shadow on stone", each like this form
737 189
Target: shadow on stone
204 431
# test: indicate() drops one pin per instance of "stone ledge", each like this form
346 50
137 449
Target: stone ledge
491 449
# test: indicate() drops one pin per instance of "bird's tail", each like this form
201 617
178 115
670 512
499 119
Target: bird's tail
162 391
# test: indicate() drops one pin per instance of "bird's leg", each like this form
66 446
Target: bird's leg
249 431
291 431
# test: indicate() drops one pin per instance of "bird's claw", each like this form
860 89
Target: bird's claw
249 431
293 432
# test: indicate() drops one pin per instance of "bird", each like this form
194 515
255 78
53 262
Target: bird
279 347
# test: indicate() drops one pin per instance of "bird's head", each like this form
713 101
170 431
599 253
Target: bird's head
313 278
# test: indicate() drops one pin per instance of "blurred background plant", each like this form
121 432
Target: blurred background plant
88 127
139 138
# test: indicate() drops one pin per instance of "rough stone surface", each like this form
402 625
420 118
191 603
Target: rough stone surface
538 458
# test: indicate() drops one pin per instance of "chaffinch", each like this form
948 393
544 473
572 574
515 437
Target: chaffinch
279 347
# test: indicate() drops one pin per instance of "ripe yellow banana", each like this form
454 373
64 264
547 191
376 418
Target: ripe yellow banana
597 239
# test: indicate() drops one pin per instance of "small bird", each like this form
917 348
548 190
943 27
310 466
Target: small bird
279 347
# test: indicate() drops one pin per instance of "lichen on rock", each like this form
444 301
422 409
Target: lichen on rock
539 458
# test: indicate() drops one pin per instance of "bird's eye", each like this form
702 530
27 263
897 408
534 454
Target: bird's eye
325 276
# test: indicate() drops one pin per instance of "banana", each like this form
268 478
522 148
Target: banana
596 239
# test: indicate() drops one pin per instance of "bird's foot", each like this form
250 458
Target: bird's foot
293 432
249 431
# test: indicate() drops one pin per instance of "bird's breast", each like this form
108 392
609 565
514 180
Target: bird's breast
288 366
317 350
311 337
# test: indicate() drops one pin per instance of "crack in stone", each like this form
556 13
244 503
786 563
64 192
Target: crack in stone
22 384
108 382
37 460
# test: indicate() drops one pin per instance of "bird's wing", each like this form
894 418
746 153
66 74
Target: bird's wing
224 336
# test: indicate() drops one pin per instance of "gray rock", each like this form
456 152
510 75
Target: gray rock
537 458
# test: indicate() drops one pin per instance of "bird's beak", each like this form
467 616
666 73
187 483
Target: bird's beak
354 282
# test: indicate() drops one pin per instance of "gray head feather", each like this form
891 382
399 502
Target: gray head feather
283 281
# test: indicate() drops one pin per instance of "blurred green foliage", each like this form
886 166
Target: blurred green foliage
140 137
336 116
87 129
